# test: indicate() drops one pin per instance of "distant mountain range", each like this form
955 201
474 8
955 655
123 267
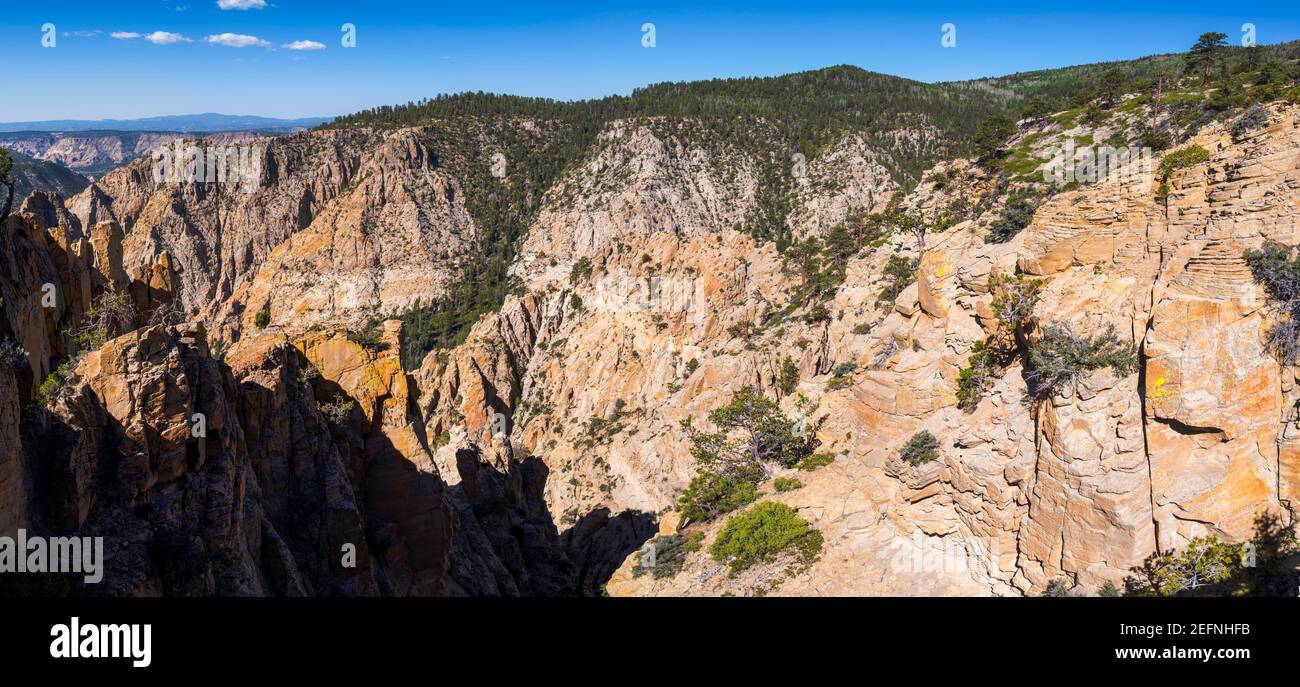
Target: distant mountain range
30 174
94 152
207 122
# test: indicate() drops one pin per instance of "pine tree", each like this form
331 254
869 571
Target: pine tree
1205 52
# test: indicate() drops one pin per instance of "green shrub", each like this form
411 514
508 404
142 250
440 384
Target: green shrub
692 365
12 354
262 319
753 434
1162 191
1155 140
992 133
1016 215
820 268
815 461
817 313
1273 267
789 377
371 337
1058 587
1201 568
1095 115
336 412
580 270
575 302
921 448
217 349
53 384
838 383
899 273
598 429
1014 300
711 494
1037 107
766 533
1255 117
784 484
740 330
111 314
841 376
974 379
1183 157
1209 567
1060 359
661 557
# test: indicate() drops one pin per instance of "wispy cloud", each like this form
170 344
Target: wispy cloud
157 37
304 45
241 4
83 34
237 40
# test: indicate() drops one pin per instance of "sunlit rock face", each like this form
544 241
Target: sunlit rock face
535 456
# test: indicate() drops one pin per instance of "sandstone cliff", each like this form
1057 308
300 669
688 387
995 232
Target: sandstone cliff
1082 487
532 458
210 475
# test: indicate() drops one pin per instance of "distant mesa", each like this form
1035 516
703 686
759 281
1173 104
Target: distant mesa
207 122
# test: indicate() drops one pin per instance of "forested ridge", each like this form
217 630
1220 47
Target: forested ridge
769 119
910 124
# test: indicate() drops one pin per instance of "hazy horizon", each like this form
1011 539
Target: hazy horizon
328 116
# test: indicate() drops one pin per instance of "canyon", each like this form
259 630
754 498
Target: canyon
542 452
97 152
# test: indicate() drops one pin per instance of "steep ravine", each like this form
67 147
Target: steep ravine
1084 486
534 457
215 472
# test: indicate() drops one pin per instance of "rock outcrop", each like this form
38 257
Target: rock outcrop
537 455
1084 486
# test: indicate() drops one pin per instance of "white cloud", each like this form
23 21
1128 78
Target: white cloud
157 37
241 4
237 40
304 45
166 38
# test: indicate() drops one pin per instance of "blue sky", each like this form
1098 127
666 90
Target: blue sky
407 50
